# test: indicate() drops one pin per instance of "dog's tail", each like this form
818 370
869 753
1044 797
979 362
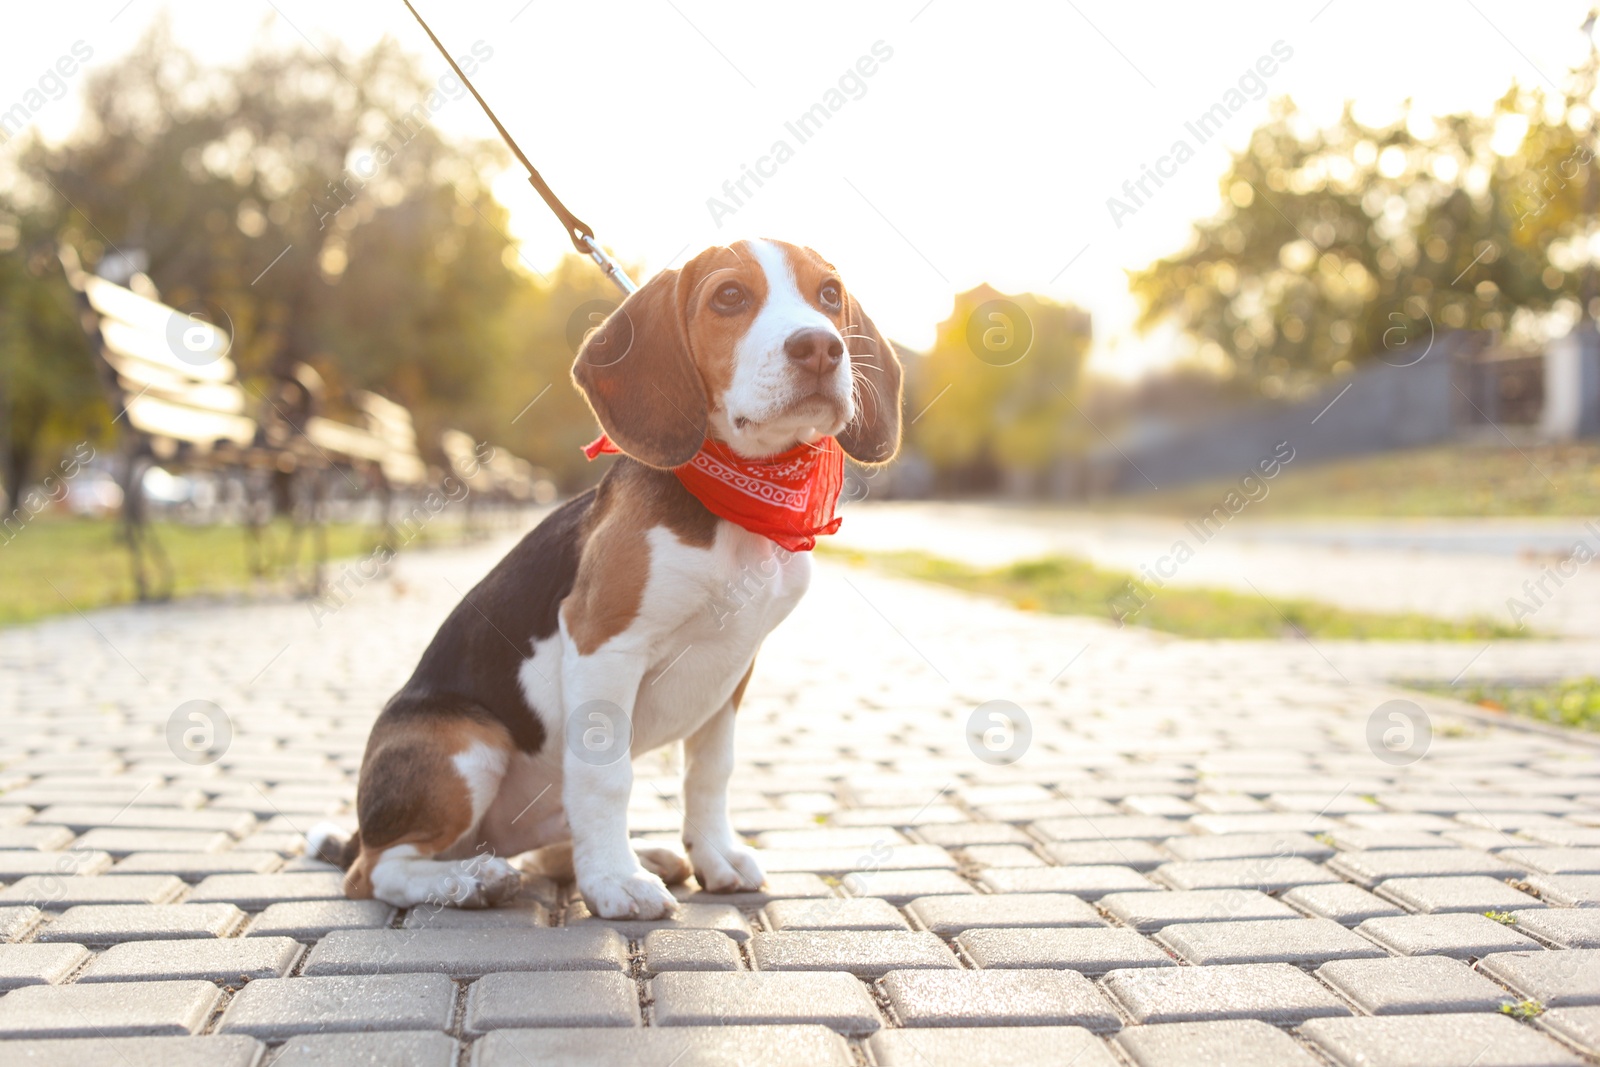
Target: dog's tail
328 843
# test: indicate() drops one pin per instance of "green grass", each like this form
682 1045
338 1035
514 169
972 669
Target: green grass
55 565
1574 702
1523 1009
1457 481
1060 585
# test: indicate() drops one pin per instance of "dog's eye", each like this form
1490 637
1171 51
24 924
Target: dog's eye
830 296
729 297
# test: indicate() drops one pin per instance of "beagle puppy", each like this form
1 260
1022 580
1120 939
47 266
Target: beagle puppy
602 635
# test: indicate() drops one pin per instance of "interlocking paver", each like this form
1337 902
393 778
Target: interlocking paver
1089 951
1263 822
1436 1041
1208 761
866 954
587 998
1147 912
1227 1043
778 886
215 960
1247 846
1090 882
16 921
690 950
1563 927
833 999
310 920
16 864
987 1046
1359 839
1005 856
677 1046
1569 836
1367 869
1567 890
121 841
689 916
1412 985
834 837
47 838
54 893
1578 1026
272 1008
1269 874
1305 942
87 817
525 914
899 887
1555 860
105 924
227 1050
1557 979
1457 934
840 861
22 965
1472 892
1138 854
122 1009
255 892
1277 993
949 916
1158 804
1109 827
858 913
467 953
406 1048
963 834
1340 901
1402 820
196 866
997 998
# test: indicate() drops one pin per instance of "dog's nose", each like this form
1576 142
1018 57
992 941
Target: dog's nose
817 350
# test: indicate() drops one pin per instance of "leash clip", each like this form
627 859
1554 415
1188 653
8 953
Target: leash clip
608 266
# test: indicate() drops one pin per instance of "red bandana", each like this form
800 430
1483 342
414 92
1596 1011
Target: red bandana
788 498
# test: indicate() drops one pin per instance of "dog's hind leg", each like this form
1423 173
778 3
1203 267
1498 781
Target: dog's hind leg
429 775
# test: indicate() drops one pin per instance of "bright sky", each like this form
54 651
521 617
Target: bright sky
983 148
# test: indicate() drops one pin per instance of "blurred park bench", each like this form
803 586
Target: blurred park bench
181 405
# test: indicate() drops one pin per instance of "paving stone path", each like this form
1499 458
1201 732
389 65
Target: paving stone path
1190 853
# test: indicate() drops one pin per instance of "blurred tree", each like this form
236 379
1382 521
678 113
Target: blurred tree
1334 246
549 320
49 396
993 394
305 201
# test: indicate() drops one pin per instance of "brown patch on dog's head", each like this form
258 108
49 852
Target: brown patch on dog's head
747 343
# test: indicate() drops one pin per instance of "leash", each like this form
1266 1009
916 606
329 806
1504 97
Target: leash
579 231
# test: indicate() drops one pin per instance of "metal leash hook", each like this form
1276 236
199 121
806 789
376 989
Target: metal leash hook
578 231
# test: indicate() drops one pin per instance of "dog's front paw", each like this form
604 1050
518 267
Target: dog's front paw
725 867
637 894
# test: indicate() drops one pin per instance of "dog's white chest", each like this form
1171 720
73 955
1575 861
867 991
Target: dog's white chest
702 614
738 591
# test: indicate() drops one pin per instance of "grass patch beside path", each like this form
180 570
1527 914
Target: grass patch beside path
1459 481
1574 702
1061 585
87 562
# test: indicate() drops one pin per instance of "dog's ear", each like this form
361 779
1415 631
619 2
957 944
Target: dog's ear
873 436
637 375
